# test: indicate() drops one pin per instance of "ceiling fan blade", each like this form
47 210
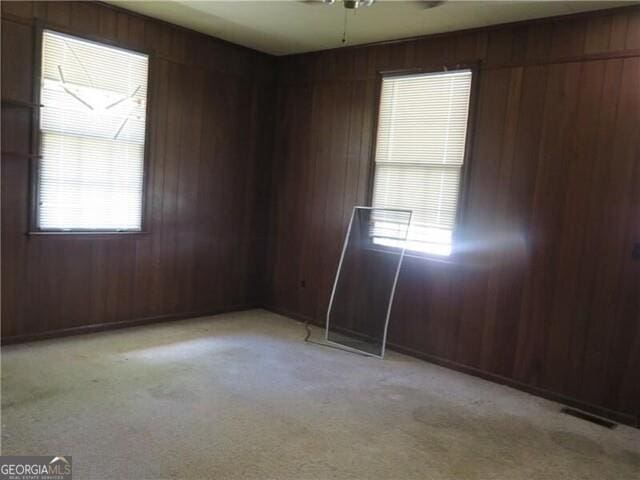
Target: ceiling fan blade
352 4
428 4
317 2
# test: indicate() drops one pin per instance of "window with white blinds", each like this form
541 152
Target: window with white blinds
420 149
92 134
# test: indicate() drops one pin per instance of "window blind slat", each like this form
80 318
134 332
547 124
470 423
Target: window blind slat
92 126
422 128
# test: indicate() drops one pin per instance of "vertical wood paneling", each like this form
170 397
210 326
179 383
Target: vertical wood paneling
544 293
17 48
575 223
196 197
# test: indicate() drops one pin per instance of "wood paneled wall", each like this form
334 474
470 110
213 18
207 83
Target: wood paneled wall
545 295
206 183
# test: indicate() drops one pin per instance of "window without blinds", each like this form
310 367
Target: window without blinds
422 128
92 132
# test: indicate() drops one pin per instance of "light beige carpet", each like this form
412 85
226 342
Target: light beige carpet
242 396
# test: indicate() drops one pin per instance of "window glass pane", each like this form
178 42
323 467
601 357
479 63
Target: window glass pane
92 127
420 149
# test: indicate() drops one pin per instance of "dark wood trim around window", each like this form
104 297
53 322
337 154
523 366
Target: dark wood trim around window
35 155
468 151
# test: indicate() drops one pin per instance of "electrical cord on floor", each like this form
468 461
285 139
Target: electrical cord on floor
308 329
307 339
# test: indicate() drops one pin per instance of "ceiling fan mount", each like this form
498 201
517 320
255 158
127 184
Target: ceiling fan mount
355 4
348 4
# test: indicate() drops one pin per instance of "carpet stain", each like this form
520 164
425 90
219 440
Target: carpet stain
396 392
438 417
249 400
477 438
29 396
576 443
171 392
629 457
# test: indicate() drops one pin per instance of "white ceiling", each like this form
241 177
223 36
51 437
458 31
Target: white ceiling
289 26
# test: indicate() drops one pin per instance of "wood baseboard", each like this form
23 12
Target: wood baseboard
100 327
627 419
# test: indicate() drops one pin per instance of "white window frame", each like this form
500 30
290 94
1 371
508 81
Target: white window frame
36 142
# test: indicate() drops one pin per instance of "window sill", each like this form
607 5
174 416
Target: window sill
451 259
78 234
423 253
454 258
